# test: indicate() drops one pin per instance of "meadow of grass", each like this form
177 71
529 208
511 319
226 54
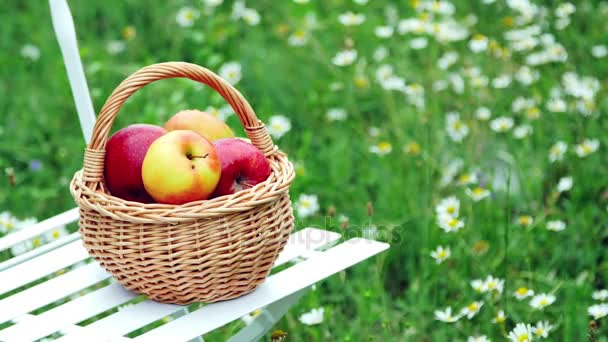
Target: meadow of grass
475 126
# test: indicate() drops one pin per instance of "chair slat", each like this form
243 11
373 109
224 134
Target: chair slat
39 228
69 313
41 266
280 285
50 291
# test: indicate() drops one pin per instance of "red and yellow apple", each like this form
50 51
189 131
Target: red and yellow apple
243 166
200 122
180 167
125 152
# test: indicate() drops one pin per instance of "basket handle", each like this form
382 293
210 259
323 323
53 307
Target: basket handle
95 153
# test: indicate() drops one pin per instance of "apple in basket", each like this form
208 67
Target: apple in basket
125 152
243 166
202 123
180 167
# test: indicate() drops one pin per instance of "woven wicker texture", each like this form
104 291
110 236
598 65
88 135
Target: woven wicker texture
202 251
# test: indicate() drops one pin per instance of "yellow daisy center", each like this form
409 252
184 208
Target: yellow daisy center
524 338
522 291
473 307
479 191
453 222
36 242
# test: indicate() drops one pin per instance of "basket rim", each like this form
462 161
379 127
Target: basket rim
267 191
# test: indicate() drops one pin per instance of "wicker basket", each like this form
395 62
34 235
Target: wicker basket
201 251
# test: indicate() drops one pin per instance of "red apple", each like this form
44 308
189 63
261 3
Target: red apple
125 152
202 123
243 166
180 167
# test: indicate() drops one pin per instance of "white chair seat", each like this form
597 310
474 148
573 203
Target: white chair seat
67 278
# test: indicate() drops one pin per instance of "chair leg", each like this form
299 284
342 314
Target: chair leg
267 319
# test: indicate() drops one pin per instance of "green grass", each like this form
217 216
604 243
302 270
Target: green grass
391 297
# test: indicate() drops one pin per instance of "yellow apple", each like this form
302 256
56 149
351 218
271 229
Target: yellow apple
202 123
181 166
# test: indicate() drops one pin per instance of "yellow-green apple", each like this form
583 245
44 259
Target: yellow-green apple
180 167
243 166
125 152
200 122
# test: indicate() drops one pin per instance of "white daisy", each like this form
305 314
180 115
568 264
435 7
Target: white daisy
31 52
447 60
382 148
278 125
446 315
345 58
467 178
457 130
587 147
523 293
522 131
481 338
231 72
542 329
336 114
8 223
307 205
115 47
250 16
483 113
55 233
351 19
472 309
599 51
564 184
598 311
383 31
500 317
298 38
212 3
450 224
380 53
419 43
494 284
557 151
186 16
440 254
478 43
526 76
556 105
479 285
501 81
542 300
449 206
313 317
600 295
22 247
564 10
521 333
478 193
556 225
501 124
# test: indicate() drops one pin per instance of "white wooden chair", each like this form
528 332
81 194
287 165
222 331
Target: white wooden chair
61 271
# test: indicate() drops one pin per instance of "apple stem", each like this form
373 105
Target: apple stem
192 157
